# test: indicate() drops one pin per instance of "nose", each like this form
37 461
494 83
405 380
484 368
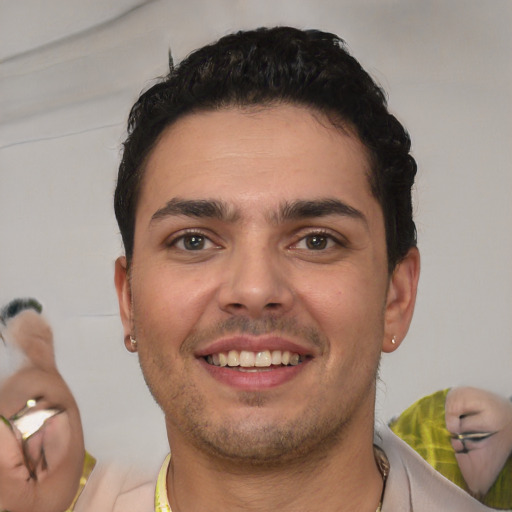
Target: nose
255 284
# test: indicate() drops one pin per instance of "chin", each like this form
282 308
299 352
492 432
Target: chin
269 443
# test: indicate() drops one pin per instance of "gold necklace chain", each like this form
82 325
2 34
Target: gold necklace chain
162 500
383 465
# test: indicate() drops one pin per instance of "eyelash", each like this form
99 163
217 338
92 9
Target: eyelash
321 233
302 237
182 236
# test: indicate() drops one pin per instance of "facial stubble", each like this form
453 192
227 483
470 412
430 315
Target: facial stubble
248 440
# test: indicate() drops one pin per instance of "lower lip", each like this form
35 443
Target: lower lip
261 379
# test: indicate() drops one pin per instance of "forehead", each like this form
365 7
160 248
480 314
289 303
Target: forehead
260 157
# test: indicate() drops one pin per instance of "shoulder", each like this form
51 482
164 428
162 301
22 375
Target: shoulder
413 484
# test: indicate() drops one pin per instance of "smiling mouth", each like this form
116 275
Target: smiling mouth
245 360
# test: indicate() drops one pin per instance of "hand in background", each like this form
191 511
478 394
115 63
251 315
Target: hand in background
481 425
41 472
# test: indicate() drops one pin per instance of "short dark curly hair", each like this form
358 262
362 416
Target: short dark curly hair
270 66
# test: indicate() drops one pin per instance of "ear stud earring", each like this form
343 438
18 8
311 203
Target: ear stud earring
393 340
133 343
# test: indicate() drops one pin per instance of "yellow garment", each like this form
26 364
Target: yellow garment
422 426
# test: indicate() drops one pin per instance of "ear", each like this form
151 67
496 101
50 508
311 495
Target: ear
401 299
124 297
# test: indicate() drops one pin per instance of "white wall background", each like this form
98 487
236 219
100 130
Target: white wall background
70 70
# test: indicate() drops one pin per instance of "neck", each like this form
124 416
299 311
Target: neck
344 478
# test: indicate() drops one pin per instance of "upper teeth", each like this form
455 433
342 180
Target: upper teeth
249 359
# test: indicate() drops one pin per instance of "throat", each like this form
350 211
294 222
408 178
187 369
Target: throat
260 491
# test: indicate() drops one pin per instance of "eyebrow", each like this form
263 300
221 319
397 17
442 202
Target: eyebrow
288 211
297 210
197 208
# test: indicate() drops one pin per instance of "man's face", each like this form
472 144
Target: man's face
258 243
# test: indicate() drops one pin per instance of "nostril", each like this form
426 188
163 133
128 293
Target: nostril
237 306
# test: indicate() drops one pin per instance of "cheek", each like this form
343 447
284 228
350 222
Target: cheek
351 316
169 302
344 300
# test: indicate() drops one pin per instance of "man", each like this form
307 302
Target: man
264 200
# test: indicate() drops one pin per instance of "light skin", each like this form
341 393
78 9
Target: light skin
51 483
476 412
255 230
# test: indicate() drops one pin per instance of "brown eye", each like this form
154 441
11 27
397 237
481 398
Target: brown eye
317 242
194 242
